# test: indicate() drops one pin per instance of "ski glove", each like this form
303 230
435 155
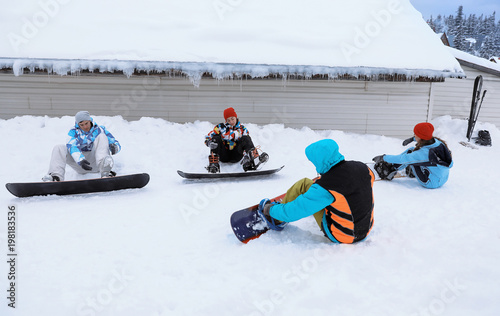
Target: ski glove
408 140
113 148
378 159
211 144
274 224
266 209
85 164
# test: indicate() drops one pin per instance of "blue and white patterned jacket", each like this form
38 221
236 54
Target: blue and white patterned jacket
84 141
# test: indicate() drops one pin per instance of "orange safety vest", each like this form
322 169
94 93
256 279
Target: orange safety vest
349 218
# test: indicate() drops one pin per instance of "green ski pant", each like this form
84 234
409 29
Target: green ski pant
301 187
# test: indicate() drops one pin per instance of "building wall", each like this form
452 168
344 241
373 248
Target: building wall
454 97
384 108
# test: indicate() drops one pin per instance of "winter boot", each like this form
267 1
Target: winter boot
107 164
248 162
249 158
409 172
50 178
213 163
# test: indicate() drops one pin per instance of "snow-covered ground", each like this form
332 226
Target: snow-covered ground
168 249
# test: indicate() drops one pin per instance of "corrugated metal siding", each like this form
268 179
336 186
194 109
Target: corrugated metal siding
384 108
454 97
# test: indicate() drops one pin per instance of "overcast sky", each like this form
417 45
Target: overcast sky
446 7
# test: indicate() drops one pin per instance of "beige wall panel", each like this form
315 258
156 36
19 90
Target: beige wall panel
385 108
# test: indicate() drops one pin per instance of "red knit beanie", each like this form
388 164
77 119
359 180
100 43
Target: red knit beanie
229 112
424 130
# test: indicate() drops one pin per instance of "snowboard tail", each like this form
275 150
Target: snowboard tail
133 181
247 224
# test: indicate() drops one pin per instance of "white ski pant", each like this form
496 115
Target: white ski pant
99 158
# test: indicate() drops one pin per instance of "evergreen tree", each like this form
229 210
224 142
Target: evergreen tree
430 22
438 24
460 42
450 24
483 26
477 35
471 26
496 40
488 48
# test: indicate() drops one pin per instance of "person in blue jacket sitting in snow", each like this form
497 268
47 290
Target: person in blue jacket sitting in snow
87 150
429 161
340 199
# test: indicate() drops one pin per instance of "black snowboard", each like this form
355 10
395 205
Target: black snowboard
476 103
132 181
221 175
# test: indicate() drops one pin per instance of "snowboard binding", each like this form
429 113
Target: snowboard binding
213 163
385 170
271 223
248 161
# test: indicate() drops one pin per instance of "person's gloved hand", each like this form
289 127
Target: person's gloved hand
266 209
378 159
211 144
113 148
408 140
85 164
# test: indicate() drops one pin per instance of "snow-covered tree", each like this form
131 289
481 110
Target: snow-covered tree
488 48
477 35
439 24
460 42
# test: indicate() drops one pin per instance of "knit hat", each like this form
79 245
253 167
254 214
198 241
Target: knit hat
82 116
424 131
229 112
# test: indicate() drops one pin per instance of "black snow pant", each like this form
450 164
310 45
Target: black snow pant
244 144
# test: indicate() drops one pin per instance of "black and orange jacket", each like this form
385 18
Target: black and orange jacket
350 217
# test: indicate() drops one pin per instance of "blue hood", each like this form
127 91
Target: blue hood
324 154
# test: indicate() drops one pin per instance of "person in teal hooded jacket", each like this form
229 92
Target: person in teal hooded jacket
429 161
341 198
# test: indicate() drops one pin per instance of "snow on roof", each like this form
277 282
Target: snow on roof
475 62
225 38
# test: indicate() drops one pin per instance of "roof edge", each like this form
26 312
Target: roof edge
195 71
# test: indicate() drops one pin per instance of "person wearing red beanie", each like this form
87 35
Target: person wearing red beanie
429 161
423 131
231 142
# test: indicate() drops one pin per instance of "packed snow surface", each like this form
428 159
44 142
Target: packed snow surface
168 249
